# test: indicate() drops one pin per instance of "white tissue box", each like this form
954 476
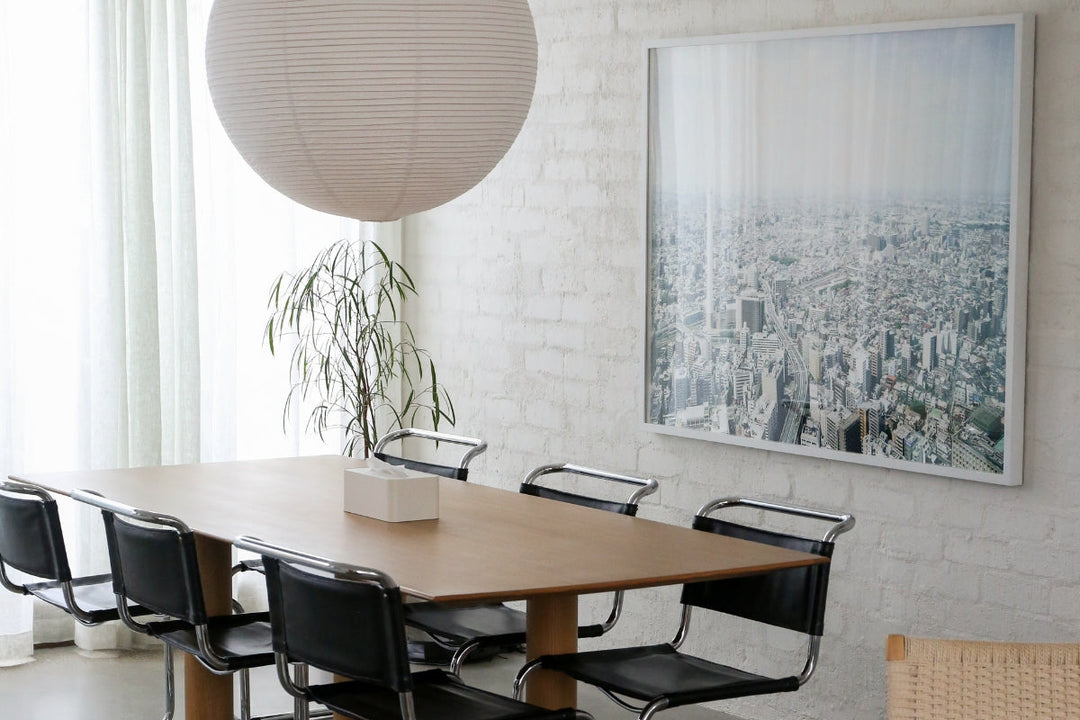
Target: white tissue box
391 493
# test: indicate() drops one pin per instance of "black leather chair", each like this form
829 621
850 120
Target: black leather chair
474 446
154 564
32 541
468 629
662 677
348 620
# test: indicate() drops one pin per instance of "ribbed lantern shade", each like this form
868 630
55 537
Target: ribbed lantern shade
371 110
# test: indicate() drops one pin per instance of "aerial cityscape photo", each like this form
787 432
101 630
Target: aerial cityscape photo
809 297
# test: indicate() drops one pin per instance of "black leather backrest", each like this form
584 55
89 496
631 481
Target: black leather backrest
583 500
31 539
446 471
341 626
792 598
156 568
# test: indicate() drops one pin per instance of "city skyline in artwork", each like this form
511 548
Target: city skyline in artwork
831 242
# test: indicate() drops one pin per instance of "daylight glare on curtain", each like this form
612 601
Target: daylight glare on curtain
99 288
44 229
137 254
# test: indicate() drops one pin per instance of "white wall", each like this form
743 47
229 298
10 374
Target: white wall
531 304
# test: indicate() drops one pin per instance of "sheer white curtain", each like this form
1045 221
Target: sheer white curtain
99 282
136 256
44 228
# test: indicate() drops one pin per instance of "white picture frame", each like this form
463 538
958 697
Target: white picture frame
836 242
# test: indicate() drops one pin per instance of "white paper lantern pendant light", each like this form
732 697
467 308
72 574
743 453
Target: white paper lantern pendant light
371 110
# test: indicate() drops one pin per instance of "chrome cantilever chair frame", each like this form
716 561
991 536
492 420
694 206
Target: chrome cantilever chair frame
476 446
421 650
644 487
345 573
841 523
207 656
66 585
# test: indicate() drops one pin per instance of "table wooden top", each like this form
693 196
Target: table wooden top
487 544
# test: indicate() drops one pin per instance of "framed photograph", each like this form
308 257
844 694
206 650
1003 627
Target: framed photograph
836 251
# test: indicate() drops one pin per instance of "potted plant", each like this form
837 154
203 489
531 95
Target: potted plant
352 346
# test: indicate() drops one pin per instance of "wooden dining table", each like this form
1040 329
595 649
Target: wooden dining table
487 545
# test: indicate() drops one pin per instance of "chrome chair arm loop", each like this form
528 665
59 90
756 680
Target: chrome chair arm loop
843 522
118 508
340 569
14 485
646 486
478 446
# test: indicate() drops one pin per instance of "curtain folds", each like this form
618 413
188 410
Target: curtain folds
140 391
137 251
101 319
142 321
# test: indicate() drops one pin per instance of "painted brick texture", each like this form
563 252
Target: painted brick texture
532 305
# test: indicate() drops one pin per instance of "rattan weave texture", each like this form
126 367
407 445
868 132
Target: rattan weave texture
967 680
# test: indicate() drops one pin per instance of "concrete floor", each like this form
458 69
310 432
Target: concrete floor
75 685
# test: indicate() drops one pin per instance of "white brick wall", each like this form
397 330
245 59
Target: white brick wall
531 304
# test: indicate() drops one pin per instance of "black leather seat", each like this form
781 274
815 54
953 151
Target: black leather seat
647 672
471 628
238 641
661 677
348 620
154 563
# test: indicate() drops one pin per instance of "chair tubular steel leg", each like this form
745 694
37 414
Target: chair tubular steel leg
300 705
652 708
170 684
460 654
245 694
523 673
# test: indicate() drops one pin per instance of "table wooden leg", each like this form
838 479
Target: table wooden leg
551 628
208 696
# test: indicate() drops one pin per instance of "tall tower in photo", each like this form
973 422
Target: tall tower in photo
750 311
929 351
710 190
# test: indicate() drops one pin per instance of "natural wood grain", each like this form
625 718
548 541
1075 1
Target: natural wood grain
208 696
488 544
551 627
895 648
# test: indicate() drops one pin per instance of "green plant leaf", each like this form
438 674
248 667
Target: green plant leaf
344 311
